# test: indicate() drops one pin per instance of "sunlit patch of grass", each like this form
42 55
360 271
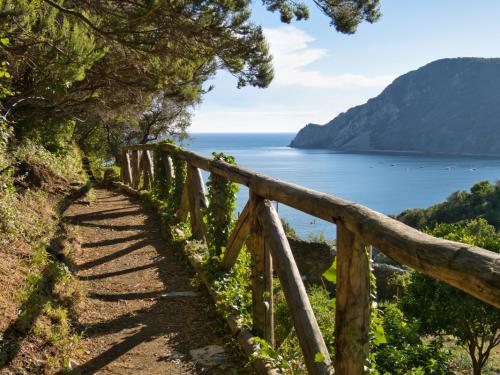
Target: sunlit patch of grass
48 296
91 195
47 300
460 361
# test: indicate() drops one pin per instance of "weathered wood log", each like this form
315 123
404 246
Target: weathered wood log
262 282
149 169
238 237
126 169
469 268
311 341
352 320
197 203
144 168
169 169
268 296
136 169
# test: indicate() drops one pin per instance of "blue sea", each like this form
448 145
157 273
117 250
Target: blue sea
386 182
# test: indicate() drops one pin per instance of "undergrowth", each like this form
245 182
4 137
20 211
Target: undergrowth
39 295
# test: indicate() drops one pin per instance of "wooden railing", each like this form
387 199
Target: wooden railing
474 270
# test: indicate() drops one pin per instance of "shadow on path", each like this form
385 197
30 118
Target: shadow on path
126 275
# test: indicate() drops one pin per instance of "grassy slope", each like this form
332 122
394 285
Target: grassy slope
38 294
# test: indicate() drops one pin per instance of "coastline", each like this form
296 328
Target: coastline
399 152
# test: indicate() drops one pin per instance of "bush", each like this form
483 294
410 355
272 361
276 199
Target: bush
111 175
67 164
405 352
443 310
483 201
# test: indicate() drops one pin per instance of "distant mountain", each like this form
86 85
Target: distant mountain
449 106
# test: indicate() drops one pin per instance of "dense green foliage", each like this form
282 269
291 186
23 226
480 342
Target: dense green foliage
443 310
483 201
404 351
221 207
180 172
167 190
162 183
108 72
38 293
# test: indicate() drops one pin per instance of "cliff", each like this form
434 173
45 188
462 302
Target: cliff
449 106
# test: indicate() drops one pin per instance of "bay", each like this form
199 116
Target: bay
386 182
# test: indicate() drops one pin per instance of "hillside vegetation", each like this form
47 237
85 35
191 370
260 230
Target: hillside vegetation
482 201
39 295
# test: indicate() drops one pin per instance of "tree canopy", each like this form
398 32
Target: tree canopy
105 69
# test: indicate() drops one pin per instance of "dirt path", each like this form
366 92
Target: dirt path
132 321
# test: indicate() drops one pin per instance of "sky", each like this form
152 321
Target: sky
320 73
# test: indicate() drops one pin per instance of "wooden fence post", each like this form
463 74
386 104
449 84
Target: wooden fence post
169 169
197 202
239 236
352 320
311 341
262 281
143 169
148 169
136 169
125 164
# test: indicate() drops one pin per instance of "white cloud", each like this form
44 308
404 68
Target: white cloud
292 54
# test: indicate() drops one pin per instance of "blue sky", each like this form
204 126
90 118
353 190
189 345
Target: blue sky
320 73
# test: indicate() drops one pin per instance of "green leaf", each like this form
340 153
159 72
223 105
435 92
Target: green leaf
4 41
379 335
319 357
331 273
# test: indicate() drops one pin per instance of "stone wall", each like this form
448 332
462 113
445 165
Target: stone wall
314 258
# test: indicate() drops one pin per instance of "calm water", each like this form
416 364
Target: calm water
388 183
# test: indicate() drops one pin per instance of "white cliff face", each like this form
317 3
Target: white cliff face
448 106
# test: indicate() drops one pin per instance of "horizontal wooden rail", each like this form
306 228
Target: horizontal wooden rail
469 268
474 270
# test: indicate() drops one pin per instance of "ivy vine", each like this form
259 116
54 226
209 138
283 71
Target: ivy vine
161 184
169 192
180 172
222 204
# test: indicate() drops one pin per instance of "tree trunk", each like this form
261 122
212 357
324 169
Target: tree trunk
476 362
476 368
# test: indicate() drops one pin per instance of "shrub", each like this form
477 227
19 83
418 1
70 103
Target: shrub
443 310
404 351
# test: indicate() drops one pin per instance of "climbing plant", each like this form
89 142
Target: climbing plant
161 184
180 171
222 204
169 192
